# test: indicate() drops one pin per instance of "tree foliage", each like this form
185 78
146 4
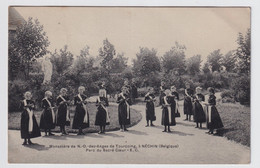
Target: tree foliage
119 63
62 61
243 52
30 43
147 61
193 64
174 59
229 61
107 53
214 60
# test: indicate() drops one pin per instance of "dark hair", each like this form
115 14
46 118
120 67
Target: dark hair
211 90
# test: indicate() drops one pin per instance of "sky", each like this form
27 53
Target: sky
201 30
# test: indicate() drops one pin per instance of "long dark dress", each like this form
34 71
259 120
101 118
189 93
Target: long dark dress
62 111
134 91
101 116
199 114
46 121
216 121
168 113
123 109
187 106
150 112
162 94
78 121
25 122
175 97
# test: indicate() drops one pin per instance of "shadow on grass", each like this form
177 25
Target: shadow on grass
221 132
37 147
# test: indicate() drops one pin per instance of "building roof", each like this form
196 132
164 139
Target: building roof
14 19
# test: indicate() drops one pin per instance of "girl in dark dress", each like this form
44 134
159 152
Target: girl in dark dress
81 117
63 115
175 99
199 114
102 117
150 111
47 121
187 106
29 127
168 114
123 109
213 118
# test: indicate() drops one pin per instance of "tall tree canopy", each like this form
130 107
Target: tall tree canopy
29 42
107 53
214 60
229 61
174 59
119 63
243 52
62 61
193 64
147 61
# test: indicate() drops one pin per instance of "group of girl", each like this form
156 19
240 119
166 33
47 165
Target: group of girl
49 119
202 111
194 104
169 103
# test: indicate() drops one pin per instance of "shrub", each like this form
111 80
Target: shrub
241 88
227 96
16 89
142 91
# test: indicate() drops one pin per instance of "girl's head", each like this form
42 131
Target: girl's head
151 90
126 82
173 88
48 94
198 90
187 85
81 89
124 90
167 92
102 93
162 83
211 90
28 95
63 91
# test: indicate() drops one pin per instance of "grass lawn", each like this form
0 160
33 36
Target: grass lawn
15 117
236 120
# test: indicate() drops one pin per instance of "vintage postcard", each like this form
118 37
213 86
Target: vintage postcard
129 85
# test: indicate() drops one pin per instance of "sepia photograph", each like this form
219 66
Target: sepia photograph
129 85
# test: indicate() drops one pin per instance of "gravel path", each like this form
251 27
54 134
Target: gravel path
185 145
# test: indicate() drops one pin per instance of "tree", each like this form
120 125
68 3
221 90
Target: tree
206 68
229 61
62 61
243 52
119 63
214 60
147 64
84 62
174 59
30 42
107 53
147 61
193 64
